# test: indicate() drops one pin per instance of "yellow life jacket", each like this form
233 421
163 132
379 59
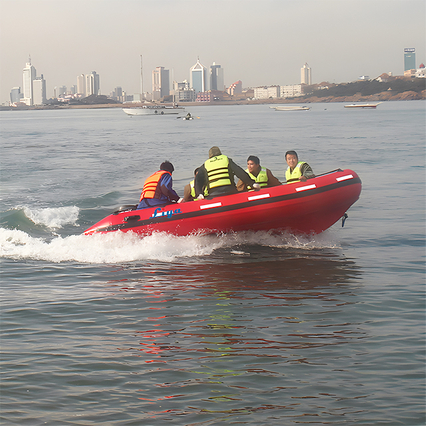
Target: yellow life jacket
217 171
192 185
151 184
293 177
261 178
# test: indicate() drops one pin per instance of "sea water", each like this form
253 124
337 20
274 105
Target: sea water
248 328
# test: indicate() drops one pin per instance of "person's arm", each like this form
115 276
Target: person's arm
241 173
307 171
187 193
200 181
166 185
272 180
241 186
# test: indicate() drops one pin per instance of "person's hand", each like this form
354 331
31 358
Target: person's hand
180 200
200 197
256 186
303 179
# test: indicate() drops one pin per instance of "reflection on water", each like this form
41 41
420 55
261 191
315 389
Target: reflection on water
211 336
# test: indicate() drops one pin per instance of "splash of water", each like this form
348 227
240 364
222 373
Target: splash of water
53 218
118 247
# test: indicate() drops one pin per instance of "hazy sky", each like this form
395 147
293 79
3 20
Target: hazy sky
260 42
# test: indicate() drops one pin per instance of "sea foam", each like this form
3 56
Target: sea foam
120 247
116 247
53 218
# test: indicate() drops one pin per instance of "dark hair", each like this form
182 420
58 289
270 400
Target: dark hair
254 159
167 166
291 153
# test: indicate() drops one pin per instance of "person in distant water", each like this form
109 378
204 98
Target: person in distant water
217 175
297 171
259 174
189 190
157 189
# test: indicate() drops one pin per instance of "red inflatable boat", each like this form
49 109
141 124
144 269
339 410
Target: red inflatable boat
303 207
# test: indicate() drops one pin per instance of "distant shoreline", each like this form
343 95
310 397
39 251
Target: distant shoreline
379 97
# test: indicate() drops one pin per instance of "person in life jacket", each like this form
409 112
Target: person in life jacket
158 188
189 190
297 171
259 174
217 175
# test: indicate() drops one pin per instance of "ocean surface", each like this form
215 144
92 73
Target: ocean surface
247 329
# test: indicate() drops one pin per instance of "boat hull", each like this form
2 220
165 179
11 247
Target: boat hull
153 110
362 105
305 207
291 108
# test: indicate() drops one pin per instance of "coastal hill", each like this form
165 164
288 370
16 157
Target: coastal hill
371 90
397 89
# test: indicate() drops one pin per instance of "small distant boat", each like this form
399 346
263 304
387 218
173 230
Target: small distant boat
154 110
290 108
362 105
187 117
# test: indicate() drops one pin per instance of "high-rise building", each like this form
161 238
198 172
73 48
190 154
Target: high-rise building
160 83
92 84
39 91
29 74
198 77
96 83
409 58
15 95
81 85
89 84
216 77
306 75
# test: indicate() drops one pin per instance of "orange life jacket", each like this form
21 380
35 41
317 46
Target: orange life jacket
151 184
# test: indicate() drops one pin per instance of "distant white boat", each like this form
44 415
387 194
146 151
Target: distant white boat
154 110
290 108
362 105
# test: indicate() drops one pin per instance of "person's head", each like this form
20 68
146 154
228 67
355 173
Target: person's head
167 166
291 158
214 151
253 163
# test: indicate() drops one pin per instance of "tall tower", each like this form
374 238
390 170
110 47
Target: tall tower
81 85
160 83
39 91
15 95
28 75
216 77
92 84
306 75
198 77
409 59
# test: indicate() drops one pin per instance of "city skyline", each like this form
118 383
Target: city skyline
259 43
